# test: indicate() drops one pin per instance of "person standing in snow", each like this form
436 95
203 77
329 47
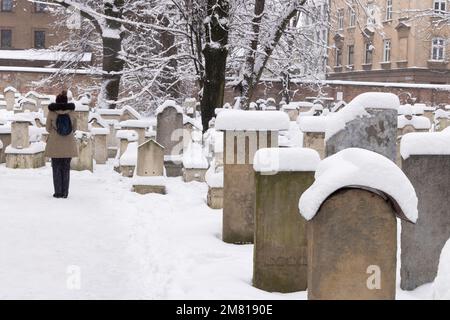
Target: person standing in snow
61 144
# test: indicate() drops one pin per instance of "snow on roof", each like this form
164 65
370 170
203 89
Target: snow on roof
252 120
135 124
129 157
407 109
169 104
98 118
312 123
80 107
110 112
12 89
425 143
44 55
132 111
357 108
356 167
27 100
301 104
32 93
129 135
418 122
273 160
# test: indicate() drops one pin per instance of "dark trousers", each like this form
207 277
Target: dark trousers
61 175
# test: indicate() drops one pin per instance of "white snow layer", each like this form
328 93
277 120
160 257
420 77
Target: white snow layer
359 167
273 160
129 157
214 176
441 284
425 143
417 122
167 104
135 124
193 157
35 147
312 123
252 120
357 108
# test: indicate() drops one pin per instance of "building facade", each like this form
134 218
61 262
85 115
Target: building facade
389 41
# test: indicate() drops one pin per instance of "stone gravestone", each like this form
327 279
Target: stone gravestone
369 121
426 159
150 163
139 126
32 95
313 128
10 98
352 229
214 179
85 159
5 138
28 105
21 153
169 134
100 145
244 133
280 251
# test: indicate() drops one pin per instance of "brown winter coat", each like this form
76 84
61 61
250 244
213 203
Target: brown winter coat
60 146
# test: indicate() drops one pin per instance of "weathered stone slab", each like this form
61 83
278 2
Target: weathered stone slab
194 174
280 252
315 141
352 245
377 132
215 198
100 149
5 138
20 137
150 161
169 129
146 189
25 161
85 159
421 244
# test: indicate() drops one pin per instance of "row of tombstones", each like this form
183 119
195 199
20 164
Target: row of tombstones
348 249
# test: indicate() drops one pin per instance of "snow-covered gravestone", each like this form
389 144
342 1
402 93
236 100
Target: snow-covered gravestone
244 133
140 126
169 133
441 119
85 159
189 106
36 97
10 98
369 121
352 230
100 145
313 128
195 163
27 104
150 163
125 138
129 113
82 115
214 180
5 138
23 153
426 162
280 252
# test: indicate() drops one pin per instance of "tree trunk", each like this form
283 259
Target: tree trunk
215 53
112 72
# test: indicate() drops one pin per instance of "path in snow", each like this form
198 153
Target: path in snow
126 245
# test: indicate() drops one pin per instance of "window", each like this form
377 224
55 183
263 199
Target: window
5 39
440 6
352 17
371 13
7 5
387 51
338 57
368 56
388 10
340 19
438 49
40 7
351 53
39 39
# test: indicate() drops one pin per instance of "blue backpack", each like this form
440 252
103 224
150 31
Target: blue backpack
63 125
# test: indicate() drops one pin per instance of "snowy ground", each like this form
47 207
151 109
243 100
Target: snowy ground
125 245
